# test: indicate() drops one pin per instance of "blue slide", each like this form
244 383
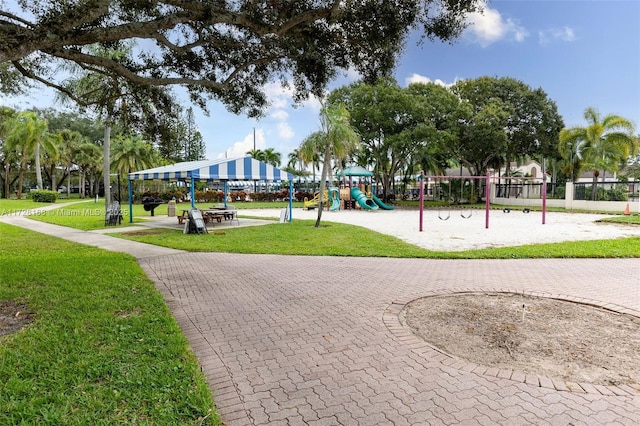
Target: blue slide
361 198
381 203
334 198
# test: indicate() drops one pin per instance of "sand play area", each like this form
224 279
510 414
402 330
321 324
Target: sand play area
459 233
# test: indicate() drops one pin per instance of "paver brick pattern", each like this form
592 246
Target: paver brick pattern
301 340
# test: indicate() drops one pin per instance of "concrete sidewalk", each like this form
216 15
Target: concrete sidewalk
136 249
296 340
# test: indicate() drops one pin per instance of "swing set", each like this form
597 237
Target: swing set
467 213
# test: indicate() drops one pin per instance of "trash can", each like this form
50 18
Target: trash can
171 208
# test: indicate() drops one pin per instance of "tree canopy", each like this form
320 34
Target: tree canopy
223 50
605 144
508 121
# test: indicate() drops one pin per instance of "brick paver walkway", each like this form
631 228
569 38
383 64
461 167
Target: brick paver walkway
295 340
288 340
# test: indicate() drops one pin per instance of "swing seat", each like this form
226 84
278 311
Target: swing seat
440 215
526 210
506 210
466 216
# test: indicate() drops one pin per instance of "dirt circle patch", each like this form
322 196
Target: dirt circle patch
534 335
13 317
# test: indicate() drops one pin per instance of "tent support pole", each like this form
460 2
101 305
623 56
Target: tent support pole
193 194
290 199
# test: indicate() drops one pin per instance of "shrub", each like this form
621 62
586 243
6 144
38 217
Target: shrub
618 193
173 193
44 196
300 195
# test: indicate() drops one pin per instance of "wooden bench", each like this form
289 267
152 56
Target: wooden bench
183 216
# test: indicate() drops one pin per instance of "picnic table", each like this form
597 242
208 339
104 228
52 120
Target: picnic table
217 213
221 212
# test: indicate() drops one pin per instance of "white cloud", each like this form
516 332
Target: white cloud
280 115
565 34
240 148
285 131
313 103
417 78
488 27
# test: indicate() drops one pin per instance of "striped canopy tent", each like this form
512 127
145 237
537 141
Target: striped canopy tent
234 169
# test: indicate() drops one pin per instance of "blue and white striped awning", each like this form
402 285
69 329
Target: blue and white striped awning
245 168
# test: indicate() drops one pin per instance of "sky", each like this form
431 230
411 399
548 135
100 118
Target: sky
582 53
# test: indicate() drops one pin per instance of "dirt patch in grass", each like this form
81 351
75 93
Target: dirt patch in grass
542 336
138 233
13 317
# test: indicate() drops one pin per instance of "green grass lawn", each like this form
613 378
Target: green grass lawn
332 239
300 237
8 207
88 215
103 348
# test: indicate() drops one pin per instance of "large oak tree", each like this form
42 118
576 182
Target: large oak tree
508 121
223 50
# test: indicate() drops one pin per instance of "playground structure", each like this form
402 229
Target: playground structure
332 195
339 199
487 195
350 196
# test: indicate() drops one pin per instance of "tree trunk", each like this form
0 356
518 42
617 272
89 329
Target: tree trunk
54 182
7 169
69 182
107 165
594 185
323 177
38 170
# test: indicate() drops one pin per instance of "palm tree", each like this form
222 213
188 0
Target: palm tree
69 145
24 135
88 157
568 149
256 154
51 144
7 155
132 153
270 156
336 139
603 145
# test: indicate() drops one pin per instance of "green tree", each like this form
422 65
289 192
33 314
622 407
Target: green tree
310 155
336 139
605 144
193 144
51 146
8 156
131 153
513 121
272 157
24 135
69 145
88 158
439 113
295 163
149 109
219 50
256 154
383 115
